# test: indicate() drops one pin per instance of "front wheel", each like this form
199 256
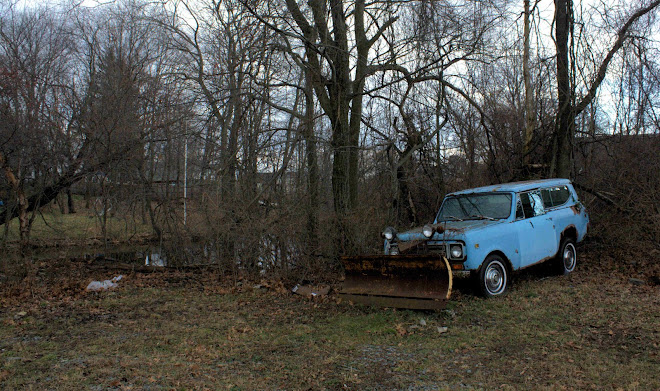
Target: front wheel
493 276
567 257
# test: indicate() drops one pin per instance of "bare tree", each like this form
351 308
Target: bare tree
570 105
34 51
332 35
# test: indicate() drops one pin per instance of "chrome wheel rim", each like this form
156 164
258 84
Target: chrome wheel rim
495 278
569 257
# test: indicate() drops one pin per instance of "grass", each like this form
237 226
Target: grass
184 330
51 226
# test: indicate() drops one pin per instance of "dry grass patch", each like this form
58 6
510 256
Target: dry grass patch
195 331
51 227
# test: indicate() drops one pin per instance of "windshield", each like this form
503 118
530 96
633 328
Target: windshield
476 206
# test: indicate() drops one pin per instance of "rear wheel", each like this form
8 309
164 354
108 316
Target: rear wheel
567 257
493 276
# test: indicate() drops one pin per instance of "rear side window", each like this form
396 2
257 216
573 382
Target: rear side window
547 199
555 196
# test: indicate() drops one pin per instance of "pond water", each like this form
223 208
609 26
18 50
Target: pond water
263 257
148 255
160 256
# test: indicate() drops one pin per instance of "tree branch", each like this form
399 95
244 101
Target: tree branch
602 69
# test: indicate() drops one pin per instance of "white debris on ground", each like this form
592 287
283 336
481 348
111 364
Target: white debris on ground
96 286
309 291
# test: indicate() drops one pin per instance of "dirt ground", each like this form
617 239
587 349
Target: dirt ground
598 328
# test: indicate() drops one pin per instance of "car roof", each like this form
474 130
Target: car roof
516 186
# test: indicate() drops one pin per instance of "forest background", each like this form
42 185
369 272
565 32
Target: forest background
279 135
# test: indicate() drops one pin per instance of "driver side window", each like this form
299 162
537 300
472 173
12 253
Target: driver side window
537 203
520 213
529 204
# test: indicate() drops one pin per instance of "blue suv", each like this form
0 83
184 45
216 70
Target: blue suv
493 230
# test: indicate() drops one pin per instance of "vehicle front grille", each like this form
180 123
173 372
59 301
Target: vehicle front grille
426 248
436 248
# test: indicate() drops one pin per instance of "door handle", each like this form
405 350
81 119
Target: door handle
530 223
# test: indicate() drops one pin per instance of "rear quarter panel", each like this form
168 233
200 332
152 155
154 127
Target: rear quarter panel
570 215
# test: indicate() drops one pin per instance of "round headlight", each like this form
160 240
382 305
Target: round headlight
427 231
456 251
389 233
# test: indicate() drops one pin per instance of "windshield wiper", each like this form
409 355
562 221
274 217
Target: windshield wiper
482 217
454 217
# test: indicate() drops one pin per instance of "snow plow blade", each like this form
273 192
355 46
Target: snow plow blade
400 281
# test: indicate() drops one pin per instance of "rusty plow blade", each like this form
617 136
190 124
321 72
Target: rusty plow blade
400 281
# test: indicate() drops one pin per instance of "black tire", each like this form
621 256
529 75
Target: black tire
566 258
493 277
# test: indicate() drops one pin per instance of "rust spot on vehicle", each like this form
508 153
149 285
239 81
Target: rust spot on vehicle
440 228
394 264
575 210
538 262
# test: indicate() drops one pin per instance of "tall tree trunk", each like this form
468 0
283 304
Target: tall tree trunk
564 127
362 45
439 158
21 200
405 207
88 194
341 92
312 169
530 115
60 204
149 195
105 197
209 150
70 201
340 164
